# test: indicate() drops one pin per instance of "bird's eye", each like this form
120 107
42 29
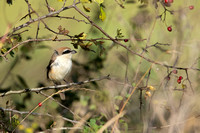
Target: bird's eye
66 51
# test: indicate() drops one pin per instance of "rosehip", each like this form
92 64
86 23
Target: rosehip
169 28
178 81
168 1
180 77
175 71
191 7
39 104
125 40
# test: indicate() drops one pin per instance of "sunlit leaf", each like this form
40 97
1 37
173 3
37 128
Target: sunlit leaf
1 45
3 50
60 0
83 36
102 15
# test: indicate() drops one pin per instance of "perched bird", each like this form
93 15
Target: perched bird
60 66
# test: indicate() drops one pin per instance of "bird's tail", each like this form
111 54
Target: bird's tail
62 94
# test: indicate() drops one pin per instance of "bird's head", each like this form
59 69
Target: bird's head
65 52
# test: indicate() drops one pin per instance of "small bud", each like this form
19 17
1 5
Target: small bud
180 77
169 28
175 71
39 104
191 7
178 81
125 40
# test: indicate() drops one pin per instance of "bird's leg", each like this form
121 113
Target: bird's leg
66 81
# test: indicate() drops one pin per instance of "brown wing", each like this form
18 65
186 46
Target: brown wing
53 57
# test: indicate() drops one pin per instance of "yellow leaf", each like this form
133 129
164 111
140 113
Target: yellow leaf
183 86
29 130
60 0
102 15
83 36
99 1
151 88
148 93
1 45
21 127
4 50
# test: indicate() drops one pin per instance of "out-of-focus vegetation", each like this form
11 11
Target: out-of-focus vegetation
167 98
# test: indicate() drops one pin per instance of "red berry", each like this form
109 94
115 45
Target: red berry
39 104
125 40
169 28
166 1
175 71
178 81
180 77
171 1
191 7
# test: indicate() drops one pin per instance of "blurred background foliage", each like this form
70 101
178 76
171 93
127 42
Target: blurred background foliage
26 65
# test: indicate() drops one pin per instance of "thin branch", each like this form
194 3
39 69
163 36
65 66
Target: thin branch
133 90
41 18
38 28
47 4
36 114
126 47
37 90
29 9
73 18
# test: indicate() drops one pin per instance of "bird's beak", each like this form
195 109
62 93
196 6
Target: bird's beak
73 52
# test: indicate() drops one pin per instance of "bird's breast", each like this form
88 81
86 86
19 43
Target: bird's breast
60 68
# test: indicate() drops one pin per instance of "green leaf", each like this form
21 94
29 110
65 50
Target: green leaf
102 15
116 107
99 1
119 98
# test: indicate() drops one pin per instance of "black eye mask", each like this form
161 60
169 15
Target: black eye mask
66 51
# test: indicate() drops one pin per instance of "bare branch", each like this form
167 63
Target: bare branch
37 90
126 47
36 114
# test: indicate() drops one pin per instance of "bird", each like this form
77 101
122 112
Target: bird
60 66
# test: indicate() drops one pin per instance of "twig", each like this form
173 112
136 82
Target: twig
122 109
110 122
36 114
73 18
81 122
126 47
52 87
